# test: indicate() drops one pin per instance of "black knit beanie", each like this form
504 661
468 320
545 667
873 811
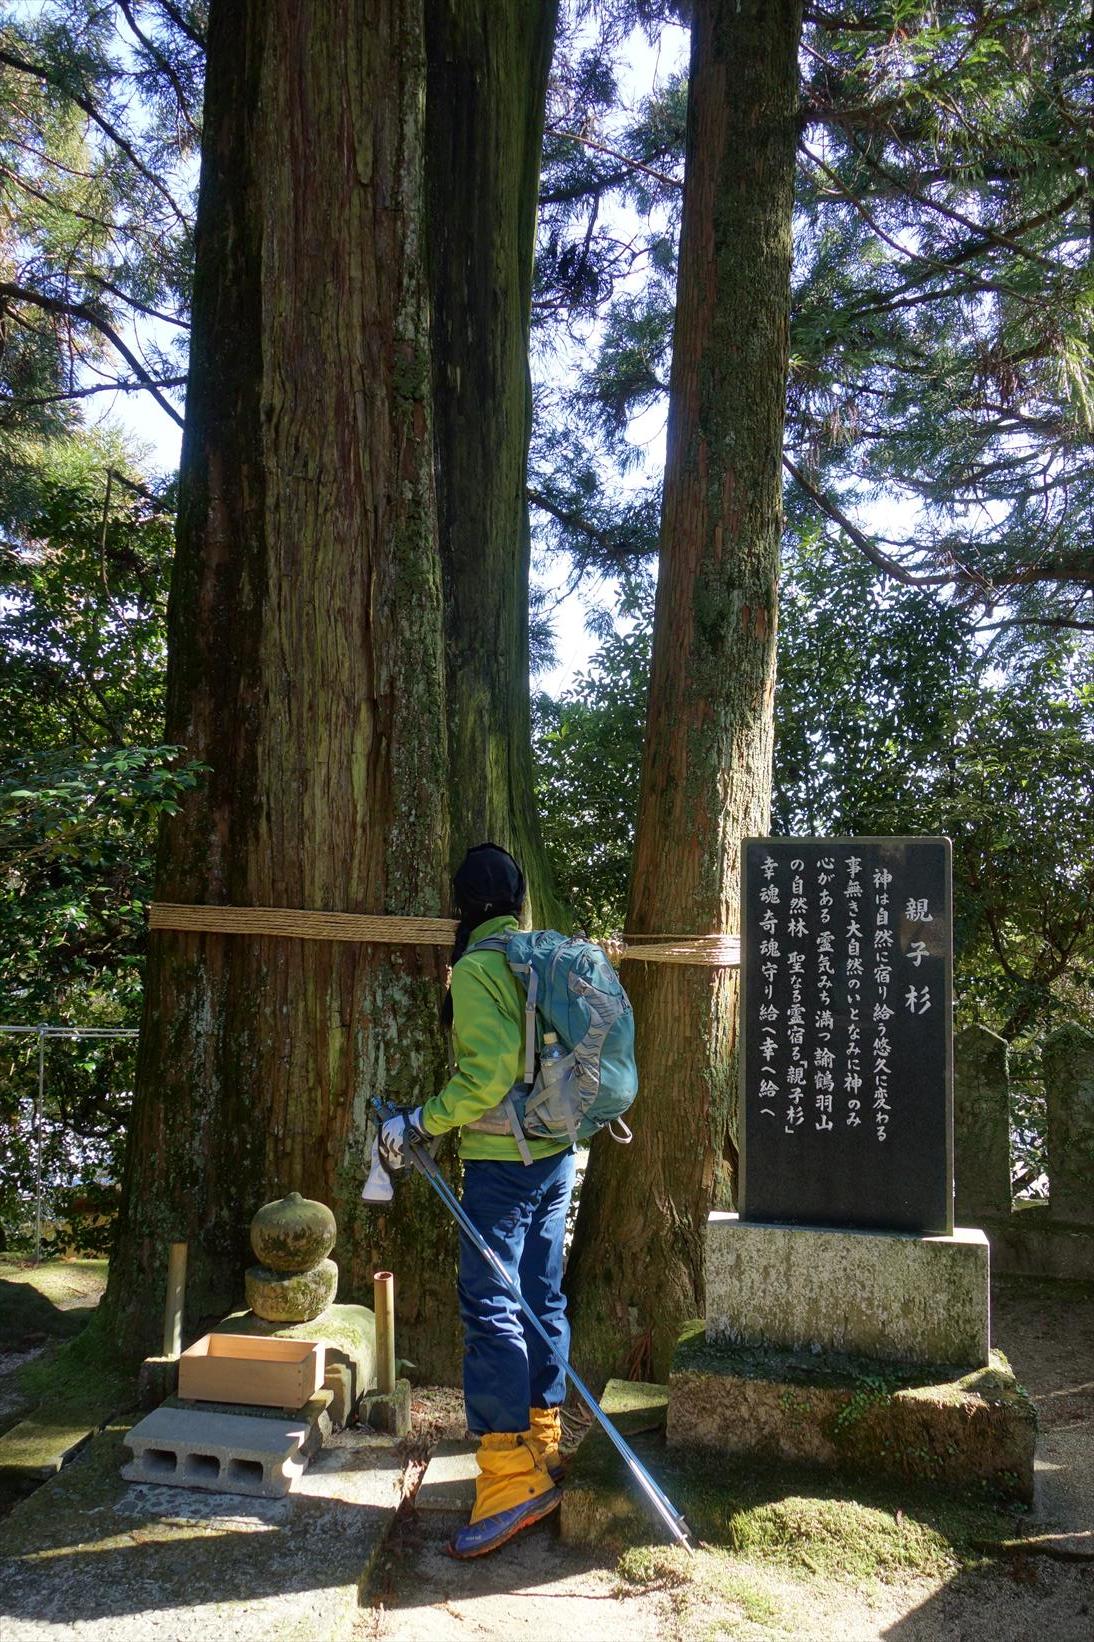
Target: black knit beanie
488 884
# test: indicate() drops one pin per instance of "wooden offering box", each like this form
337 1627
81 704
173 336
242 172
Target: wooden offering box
242 1368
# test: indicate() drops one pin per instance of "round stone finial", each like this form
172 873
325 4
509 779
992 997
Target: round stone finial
293 1234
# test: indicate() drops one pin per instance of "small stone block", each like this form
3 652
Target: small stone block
853 1414
158 1379
225 1453
387 1410
339 1385
321 1403
449 1481
600 1502
886 1295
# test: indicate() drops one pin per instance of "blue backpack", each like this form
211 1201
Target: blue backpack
571 990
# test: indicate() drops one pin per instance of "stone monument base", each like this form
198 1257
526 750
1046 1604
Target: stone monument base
951 1428
874 1294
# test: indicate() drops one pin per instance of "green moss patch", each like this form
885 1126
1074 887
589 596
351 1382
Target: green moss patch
809 1523
82 1373
51 1301
71 1390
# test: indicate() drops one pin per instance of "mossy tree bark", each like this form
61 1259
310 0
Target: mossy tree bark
636 1272
488 67
306 669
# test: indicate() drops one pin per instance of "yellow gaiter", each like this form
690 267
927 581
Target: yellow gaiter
510 1473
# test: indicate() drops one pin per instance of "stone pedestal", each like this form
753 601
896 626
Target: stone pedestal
981 1125
874 1294
854 1414
860 1351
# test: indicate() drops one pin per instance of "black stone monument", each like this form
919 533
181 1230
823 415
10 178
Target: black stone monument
847 1035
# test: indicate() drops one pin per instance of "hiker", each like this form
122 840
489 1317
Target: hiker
513 1387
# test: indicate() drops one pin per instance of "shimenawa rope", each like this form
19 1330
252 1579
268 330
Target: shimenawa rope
716 950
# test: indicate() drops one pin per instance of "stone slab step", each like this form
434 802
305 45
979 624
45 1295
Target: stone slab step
449 1480
319 1404
226 1453
36 1448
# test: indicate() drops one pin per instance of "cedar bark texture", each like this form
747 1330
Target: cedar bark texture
488 67
636 1272
306 669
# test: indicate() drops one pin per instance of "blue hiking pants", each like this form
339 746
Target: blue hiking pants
520 1212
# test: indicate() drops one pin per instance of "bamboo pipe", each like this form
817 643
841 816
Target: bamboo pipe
383 1299
176 1291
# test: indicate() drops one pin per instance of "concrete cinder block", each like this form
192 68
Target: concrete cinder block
227 1453
883 1295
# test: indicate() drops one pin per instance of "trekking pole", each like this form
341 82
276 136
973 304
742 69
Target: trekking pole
425 1164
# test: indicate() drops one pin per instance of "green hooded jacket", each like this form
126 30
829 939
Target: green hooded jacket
488 1042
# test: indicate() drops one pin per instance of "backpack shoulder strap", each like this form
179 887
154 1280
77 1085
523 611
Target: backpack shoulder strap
489 943
527 974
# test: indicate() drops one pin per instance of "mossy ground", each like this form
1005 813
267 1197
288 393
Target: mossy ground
53 1300
83 1373
809 1523
64 1378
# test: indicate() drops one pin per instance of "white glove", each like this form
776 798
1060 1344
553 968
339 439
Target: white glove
396 1135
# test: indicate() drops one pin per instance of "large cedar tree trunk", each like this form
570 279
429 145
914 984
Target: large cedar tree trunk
306 669
488 67
637 1268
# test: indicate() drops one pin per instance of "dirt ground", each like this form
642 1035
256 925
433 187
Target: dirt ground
539 1589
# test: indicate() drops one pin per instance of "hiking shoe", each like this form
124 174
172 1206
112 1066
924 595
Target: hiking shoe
479 1538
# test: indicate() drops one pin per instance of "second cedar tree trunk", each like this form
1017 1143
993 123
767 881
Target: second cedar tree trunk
307 637
488 67
636 1272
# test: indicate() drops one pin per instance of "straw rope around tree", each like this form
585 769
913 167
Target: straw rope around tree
716 950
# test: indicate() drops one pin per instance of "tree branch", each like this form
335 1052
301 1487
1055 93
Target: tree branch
39 72
181 24
1038 621
163 64
614 154
834 512
608 541
86 393
88 316
131 301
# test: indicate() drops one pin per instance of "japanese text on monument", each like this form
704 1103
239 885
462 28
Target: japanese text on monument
846 1021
